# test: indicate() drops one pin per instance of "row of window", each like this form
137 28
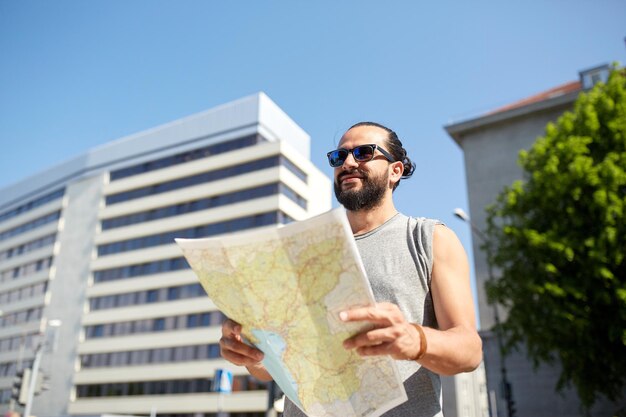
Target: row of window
149 356
188 156
167 238
28 291
33 224
295 170
198 205
193 180
137 270
28 247
16 342
32 204
10 368
146 297
258 414
161 324
197 179
26 269
176 264
5 395
177 386
20 317
293 196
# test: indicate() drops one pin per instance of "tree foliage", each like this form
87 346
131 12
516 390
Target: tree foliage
558 238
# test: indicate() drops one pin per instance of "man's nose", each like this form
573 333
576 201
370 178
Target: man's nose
350 162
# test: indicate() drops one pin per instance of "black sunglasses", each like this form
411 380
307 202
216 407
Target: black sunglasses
361 153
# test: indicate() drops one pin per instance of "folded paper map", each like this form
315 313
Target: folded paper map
286 287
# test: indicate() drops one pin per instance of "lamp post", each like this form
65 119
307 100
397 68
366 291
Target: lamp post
506 387
54 324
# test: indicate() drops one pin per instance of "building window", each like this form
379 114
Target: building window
176 386
145 297
294 169
184 157
15 343
293 196
212 229
154 325
27 247
203 204
23 293
25 269
23 228
197 179
158 326
32 204
20 317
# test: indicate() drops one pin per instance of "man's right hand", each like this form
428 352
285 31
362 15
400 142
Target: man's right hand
234 350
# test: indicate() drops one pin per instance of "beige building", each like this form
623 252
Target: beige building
491 143
90 243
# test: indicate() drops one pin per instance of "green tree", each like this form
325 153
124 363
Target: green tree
558 238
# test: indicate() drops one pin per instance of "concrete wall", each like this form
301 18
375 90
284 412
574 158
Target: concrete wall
67 289
491 164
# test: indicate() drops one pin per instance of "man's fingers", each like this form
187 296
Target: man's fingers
240 348
376 315
382 349
371 338
362 314
238 359
230 328
232 347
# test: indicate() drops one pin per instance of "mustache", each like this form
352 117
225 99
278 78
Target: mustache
351 172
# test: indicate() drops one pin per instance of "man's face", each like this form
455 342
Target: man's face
362 185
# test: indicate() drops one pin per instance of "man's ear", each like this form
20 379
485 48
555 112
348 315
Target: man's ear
396 171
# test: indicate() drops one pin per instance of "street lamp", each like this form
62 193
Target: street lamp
54 324
507 389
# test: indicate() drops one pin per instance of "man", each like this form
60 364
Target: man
424 316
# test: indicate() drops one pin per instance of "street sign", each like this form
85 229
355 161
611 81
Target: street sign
223 381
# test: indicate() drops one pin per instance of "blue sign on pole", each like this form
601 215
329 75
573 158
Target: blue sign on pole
223 381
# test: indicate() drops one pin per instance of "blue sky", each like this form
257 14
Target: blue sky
76 74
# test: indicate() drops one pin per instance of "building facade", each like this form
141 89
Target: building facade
491 143
465 394
90 243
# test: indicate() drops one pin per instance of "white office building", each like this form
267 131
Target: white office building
90 243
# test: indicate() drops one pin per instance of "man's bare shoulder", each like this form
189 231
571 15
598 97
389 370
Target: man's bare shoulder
445 241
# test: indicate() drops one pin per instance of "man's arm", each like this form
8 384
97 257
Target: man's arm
453 348
456 346
235 351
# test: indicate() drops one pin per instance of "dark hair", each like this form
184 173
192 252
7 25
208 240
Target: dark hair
395 148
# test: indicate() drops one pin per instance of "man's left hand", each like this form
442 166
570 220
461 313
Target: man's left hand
392 334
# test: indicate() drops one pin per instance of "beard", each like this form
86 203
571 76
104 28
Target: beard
369 196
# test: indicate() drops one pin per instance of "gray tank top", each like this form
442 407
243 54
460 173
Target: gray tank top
398 259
